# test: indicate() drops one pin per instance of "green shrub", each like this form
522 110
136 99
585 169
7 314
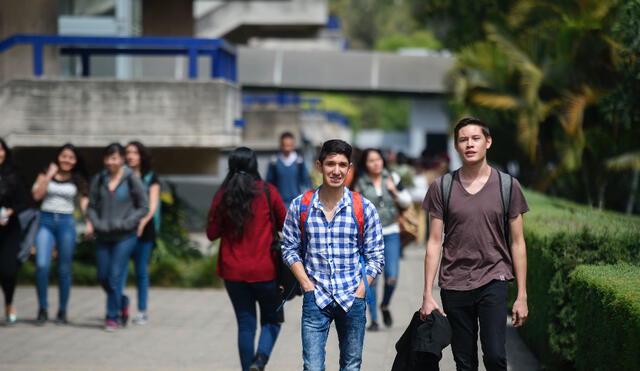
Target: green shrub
561 235
607 302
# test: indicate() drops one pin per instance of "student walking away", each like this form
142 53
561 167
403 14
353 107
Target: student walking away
287 170
58 187
479 209
117 203
13 200
138 158
386 192
241 216
334 247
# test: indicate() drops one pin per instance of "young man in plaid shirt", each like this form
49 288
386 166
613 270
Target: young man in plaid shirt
328 264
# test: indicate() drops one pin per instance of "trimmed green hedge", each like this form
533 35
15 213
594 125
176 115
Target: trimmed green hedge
560 236
166 271
607 302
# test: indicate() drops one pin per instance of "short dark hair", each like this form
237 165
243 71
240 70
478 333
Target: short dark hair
287 134
335 147
471 121
113 148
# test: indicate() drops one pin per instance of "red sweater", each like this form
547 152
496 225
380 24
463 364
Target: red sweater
248 258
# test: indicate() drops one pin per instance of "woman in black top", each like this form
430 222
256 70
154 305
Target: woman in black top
13 199
138 159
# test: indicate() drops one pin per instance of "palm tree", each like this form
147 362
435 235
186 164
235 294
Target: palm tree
628 161
556 54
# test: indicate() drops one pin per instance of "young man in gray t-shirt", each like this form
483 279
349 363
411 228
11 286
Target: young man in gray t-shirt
477 261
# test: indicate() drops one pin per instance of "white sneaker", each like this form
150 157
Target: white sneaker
141 319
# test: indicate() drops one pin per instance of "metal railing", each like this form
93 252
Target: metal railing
294 99
222 53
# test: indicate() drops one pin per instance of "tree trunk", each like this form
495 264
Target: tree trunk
587 186
632 193
601 200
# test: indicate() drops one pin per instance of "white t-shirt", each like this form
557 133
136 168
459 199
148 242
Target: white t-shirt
60 197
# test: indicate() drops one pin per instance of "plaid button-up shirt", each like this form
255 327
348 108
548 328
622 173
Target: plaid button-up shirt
332 256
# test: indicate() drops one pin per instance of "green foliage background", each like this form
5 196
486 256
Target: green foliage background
559 79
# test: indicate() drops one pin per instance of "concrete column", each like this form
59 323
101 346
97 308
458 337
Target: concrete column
124 19
27 17
167 18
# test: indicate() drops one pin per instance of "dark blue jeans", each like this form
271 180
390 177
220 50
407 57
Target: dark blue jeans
244 296
391 270
488 306
111 258
315 329
55 230
141 254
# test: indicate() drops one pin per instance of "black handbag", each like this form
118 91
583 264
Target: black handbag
286 282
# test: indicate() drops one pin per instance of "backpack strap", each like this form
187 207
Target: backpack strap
147 178
132 194
445 191
506 183
357 205
358 214
305 204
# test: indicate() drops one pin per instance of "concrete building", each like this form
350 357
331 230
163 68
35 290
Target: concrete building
178 118
288 46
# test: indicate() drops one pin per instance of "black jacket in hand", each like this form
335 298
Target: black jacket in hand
420 346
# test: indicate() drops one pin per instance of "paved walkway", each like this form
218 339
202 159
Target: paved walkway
195 330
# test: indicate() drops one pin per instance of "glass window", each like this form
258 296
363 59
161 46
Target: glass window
88 7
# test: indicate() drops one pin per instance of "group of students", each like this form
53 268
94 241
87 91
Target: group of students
119 206
337 241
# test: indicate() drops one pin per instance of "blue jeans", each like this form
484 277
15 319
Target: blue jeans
391 268
141 254
315 329
111 258
244 296
59 230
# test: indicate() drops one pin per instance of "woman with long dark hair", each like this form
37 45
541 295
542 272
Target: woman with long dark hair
13 199
242 215
117 203
138 158
58 187
385 190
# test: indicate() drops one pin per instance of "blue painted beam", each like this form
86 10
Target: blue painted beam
222 52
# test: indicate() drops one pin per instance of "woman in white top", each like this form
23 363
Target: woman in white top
385 190
58 188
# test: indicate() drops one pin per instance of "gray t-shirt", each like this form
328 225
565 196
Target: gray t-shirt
475 250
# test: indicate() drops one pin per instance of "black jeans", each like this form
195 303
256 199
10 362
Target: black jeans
464 309
9 263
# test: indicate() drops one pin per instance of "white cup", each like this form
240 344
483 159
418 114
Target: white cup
4 215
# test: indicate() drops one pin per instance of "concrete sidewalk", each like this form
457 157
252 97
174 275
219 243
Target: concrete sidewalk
196 330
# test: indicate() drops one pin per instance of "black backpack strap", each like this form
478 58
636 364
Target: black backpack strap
274 231
445 189
132 194
506 183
